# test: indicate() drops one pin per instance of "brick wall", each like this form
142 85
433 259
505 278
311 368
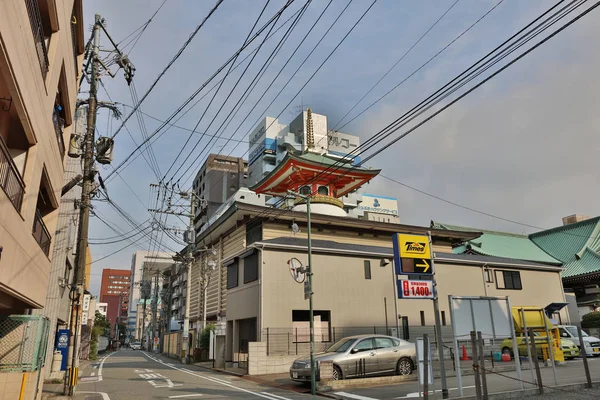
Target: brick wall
260 364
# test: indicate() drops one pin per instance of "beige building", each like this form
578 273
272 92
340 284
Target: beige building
41 47
354 286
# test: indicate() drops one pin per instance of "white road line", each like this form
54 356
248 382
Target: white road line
417 394
95 366
92 378
274 395
211 379
354 396
102 365
93 373
104 395
181 396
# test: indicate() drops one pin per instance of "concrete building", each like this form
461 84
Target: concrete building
102 308
41 43
114 290
218 179
144 264
354 286
58 304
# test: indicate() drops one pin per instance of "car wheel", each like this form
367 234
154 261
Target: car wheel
404 366
337 373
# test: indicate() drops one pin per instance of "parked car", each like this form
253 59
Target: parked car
381 355
136 346
570 349
591 343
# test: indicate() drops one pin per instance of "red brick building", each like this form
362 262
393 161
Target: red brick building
114 290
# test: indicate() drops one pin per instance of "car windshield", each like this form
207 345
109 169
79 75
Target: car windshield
340 346
573 331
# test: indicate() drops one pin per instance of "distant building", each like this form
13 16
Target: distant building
114 290
142 285
102 308
380 208
218 179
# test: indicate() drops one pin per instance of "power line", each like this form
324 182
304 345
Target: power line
247 92
221 84
269 87
397 62
186 102
177 55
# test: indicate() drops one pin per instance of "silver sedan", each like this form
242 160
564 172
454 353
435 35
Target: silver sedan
361 356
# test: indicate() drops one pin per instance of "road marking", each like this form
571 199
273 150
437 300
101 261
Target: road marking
95 366
180 396
211 379
102 365
93 373
104 395
90 379
169 384
354 396
274 395
417 394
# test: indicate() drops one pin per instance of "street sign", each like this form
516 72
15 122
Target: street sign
408 289
421 360
84 318
412 255
306 290
86 302
155 340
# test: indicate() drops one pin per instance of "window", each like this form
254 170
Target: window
489 275
251 268
253 232
364 345
323 190
367 269
444 318
232 275
383 343
305 190
508 280
422 318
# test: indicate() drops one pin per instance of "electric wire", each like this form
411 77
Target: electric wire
246 93
221 84
396 63
186 102
173 60
230 138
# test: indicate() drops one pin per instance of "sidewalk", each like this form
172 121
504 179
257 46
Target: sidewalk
54 391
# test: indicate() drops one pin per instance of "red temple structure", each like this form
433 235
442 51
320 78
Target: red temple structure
324 177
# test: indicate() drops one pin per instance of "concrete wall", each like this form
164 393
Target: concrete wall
260 364
24 268
339 285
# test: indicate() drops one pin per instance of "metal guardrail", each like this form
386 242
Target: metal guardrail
23 342
10 178
41 234
33 9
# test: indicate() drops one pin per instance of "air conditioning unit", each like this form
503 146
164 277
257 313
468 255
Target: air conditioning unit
393 332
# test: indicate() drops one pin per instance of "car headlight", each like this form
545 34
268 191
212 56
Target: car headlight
307 366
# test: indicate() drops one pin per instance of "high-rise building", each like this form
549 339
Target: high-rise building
114 290
218 179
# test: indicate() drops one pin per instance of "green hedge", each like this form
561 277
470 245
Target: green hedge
591 320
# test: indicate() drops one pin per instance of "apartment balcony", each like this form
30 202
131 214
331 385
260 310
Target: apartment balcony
10 178
35 18
41 234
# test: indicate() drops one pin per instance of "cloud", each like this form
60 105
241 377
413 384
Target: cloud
524 148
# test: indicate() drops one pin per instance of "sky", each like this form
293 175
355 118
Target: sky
522 147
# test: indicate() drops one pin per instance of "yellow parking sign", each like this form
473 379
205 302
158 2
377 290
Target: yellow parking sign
413 246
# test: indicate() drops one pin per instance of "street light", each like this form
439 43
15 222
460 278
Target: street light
290 201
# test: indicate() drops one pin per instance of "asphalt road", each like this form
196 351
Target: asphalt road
570 373
136 375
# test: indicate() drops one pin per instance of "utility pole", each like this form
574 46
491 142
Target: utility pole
187 259
154 309
84 218
87 144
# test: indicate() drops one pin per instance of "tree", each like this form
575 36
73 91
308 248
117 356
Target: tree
591 320
101 325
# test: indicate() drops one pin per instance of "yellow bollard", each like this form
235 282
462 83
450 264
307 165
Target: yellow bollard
23 384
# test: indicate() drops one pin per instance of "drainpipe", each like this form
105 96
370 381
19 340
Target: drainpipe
483 268
260 248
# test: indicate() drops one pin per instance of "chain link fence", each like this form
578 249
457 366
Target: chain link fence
23 342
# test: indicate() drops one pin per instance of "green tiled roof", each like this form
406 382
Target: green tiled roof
500 244
576 245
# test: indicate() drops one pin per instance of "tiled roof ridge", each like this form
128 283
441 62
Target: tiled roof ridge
575 225
467 228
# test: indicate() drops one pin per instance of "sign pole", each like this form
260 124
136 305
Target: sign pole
438 324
